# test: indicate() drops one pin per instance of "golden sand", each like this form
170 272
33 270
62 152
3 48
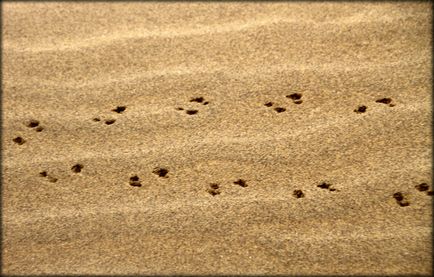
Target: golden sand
217 138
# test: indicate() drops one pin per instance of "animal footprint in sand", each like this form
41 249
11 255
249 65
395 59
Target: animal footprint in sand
134 181
400 199
199 99
161 172
50 178
214 189
325 185
296 98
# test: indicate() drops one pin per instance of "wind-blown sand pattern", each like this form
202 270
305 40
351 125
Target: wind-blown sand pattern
216 138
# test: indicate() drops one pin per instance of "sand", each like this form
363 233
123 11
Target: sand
216 138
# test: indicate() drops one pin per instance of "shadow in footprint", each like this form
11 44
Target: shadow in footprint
110 121
241 183
214 189
33 123
120 109
361 109
298 193
134 181
161 172
77 168
279 109
19 140
191 112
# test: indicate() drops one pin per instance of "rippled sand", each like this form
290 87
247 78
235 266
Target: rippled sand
269 93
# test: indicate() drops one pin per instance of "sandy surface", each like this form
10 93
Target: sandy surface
67 65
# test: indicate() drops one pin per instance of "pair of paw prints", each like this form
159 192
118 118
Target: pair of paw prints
401 198
110 121
199 100
363 108
300 194
33 124
161 172
296 98
75 168
214 188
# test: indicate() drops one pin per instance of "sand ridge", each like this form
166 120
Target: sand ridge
217 138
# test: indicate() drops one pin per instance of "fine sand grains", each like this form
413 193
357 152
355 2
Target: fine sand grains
261 138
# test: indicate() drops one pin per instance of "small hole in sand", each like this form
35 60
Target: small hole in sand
384 100
298 193
294 96
77 168
39 129
96 119
197 99
191 112
110 121
279 109
214 186
19 140
33 123
134 181
162 172
268 104
422 187
324 185
398 196
241 183
119 109
361 109
43 174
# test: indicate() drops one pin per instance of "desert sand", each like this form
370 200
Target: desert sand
216 138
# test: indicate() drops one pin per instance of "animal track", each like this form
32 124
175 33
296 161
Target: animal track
77 168
191 112
324 185
134 181
214 189
295 97
162 172
110 121
119 109
399 197
19 140
50 178
33 123
268 104
386 101
361 109
298 193
424 187
241 183
279 109
198 99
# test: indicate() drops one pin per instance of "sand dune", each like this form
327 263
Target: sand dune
100 98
